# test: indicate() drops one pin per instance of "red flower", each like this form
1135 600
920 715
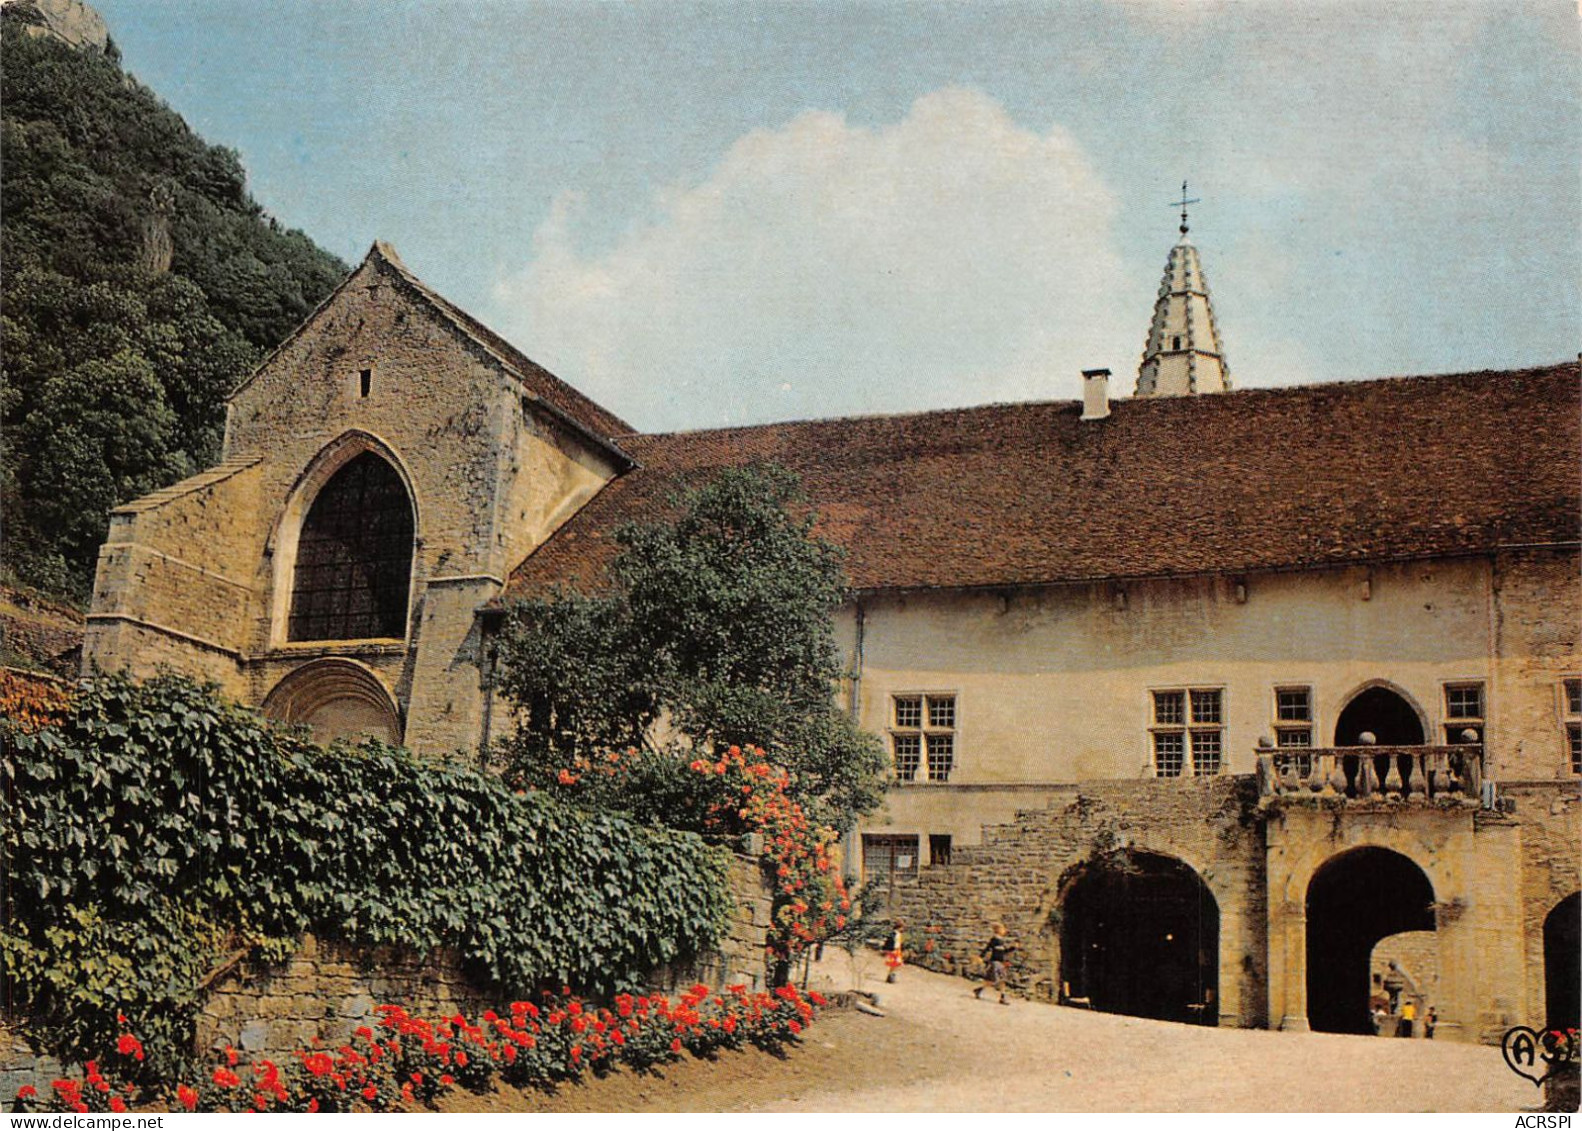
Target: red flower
188 1097
318 1063
675 1045
117 1103
129 1045
313 1104
370 1093
26 1092
225 1078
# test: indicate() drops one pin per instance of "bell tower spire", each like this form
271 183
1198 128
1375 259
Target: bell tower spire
1183 353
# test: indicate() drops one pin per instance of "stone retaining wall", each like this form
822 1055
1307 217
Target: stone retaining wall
327 990
21 1064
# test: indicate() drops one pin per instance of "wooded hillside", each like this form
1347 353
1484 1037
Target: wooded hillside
141 284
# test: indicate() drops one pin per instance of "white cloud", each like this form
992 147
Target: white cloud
823 268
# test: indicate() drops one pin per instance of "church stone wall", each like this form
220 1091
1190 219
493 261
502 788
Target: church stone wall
200 577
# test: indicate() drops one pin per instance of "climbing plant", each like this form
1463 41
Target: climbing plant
155 827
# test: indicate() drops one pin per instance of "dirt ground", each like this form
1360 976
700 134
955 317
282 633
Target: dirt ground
939 1049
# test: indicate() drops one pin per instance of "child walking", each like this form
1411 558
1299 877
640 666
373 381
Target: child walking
996 953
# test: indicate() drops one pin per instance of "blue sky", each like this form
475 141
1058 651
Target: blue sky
730 212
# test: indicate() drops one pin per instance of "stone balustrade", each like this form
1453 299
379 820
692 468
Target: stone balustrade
1410 774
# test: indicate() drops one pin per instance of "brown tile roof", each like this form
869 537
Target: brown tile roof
1256 479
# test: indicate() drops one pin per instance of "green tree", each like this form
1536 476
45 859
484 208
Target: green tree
716 631
141 284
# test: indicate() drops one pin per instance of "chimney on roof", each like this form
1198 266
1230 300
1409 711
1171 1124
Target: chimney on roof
1095 394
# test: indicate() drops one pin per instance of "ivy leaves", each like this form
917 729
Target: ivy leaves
157 825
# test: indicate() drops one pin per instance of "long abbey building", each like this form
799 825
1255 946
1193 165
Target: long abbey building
1222 700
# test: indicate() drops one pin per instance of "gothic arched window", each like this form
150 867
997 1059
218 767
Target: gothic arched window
354 557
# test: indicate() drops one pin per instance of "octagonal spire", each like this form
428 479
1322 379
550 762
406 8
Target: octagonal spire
1183 353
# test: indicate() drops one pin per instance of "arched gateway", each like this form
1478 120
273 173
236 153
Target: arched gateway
1562 958
1140 936
1354 900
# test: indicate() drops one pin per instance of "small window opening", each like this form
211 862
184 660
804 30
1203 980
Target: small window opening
938 849
365 378
1177 340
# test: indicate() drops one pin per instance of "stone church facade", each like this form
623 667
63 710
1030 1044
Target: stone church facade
1216 698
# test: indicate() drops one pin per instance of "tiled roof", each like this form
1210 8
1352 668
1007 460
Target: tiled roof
1028 493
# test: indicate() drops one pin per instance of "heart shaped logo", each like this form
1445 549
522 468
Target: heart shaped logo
1537 1056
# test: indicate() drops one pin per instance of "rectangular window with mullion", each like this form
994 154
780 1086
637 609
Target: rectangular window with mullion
1188 730
923 735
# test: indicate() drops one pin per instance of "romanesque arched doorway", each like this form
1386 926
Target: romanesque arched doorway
1140 935
1354 900
335 698
1562 959
352 577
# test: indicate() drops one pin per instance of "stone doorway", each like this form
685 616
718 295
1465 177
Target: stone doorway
1391 720
1562 956
1140 936
1383 713
1354 900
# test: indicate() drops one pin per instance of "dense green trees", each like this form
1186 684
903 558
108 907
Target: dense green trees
141 283
716 632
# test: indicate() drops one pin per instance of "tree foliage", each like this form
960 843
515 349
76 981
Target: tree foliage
154 827
717 631
141 284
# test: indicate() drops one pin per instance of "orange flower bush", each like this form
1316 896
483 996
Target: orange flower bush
403 1061
30 701
740 792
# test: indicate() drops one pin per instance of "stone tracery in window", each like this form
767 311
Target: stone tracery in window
354 557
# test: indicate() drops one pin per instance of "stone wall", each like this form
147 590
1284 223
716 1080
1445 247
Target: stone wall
1550 819
21 1064
740 959
200 576
1020 873
327 989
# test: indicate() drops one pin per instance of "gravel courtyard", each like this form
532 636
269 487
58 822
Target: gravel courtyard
939 1049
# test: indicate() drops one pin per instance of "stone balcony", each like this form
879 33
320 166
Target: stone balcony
1372 774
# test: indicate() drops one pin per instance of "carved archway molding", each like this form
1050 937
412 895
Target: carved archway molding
324 693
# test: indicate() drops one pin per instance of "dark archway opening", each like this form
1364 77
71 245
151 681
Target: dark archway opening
1382 713
353 571
1140 936
1353 901
1387 716
1563 964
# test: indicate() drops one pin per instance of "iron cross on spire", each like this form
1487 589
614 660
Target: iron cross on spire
1182 204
